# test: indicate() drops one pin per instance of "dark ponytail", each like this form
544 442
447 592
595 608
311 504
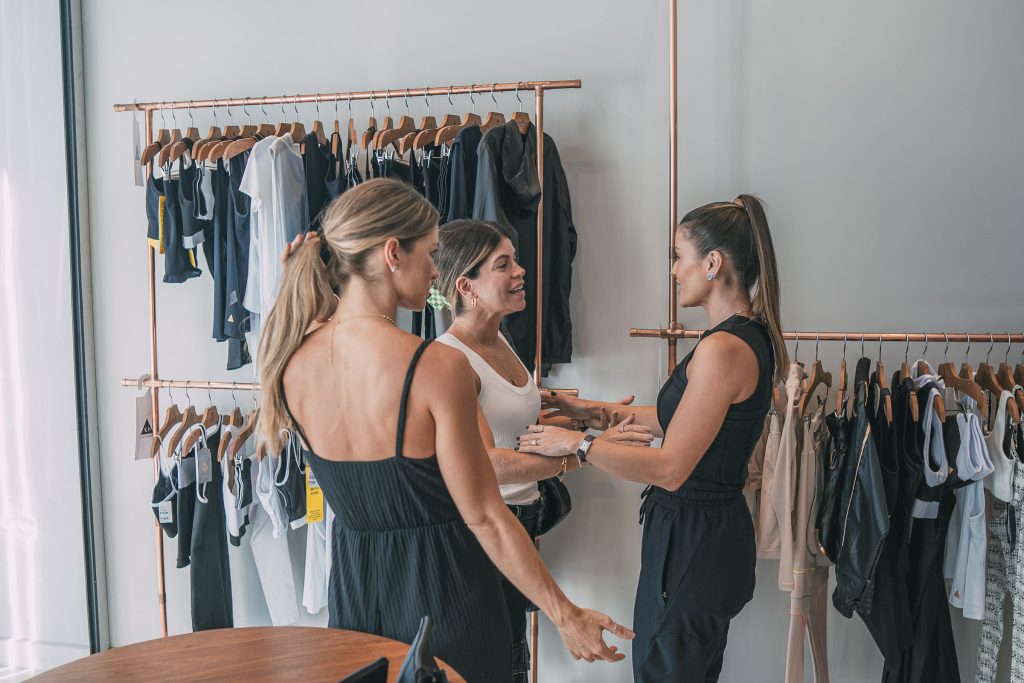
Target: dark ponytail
740 231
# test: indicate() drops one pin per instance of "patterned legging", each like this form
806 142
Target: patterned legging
1004 574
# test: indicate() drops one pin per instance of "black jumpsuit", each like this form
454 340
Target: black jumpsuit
698 553
401 551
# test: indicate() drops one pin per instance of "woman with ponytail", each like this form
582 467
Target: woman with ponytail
388 427
697 562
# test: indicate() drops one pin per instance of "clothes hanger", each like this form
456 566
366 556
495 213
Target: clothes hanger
818 377
521 118
163 137
1018 373
450 119
189 418
216 149
841 389
1006 379
387 124
493 118
192 133
232 130
915 413
318 126
248 428
986 377
925 368
234 419
905 367
880 382
446 134
175 147
212 135
371 126
967 387
297 130
428 129
405 126
209 420
172 416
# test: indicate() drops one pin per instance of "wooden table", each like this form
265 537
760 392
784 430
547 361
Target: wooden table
254 655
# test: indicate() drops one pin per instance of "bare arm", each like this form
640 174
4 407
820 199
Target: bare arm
723 371
513 467
598 414
471 482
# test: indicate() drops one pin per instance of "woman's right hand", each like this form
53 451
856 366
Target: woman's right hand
292 246
582 633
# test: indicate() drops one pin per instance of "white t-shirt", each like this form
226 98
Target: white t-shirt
508 410
275 180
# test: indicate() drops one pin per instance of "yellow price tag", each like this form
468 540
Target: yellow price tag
314 498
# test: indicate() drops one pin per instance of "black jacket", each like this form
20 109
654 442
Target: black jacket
508 192
863 515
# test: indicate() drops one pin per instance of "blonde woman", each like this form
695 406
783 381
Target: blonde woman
383 420
483 283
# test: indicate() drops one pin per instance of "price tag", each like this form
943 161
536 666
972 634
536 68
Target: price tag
166 512
204 465
144 426
314 498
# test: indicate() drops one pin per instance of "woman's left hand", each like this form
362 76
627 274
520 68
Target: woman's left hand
548 440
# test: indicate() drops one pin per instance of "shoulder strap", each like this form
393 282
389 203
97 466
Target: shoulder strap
400 439
288 412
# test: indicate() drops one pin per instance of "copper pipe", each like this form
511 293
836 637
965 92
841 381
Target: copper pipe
539 327
673 169
161 592
238 386
912 337
534 633
354 95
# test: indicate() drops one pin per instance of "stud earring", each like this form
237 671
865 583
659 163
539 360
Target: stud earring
474 302
711 276
394 267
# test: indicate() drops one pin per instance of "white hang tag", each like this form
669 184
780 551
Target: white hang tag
186 473
165 510
204 464
144 426
136 151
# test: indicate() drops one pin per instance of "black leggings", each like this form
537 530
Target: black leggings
696 574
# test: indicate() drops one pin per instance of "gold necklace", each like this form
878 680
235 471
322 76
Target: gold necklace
330 351
507 375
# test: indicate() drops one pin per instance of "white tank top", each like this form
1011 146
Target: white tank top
507 408
1000 482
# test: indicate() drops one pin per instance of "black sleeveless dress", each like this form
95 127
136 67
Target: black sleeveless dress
402 551
698 551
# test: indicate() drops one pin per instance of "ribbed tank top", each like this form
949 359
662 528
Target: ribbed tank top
508 410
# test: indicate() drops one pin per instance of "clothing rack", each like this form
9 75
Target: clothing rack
538 88
231 386
907 337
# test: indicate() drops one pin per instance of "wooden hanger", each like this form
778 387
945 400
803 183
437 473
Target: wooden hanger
880 381
386 125
172 416
777 401
247 431
818 377
163 137
234 419
212 135
492 120
209 420
841 389
189 418
371 128
236 147
192 133
175 145
968 387
386 137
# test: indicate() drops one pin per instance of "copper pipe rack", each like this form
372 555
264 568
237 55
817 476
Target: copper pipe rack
154 381
906 337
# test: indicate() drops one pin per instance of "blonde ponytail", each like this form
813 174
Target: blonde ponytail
363 218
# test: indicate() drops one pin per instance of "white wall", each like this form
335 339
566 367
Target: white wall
43 613
883 139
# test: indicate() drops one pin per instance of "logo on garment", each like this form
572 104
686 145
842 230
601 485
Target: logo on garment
147 429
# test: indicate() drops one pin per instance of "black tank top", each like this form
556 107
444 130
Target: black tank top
723 468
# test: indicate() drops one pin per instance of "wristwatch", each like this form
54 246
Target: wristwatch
583 448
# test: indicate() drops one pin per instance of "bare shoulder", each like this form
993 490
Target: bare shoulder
724 351
443 363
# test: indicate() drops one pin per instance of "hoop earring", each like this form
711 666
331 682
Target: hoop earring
473 300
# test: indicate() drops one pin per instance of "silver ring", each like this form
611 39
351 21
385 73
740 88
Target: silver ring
622 427
536 443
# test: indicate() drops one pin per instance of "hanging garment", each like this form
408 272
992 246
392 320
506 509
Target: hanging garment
209 571
1004 566
508 192
290 480
215 247
809 567
766 526
179 264
462 173
192 226
237 498
931 655
155 210
752 489
936 465
318 563
964 563
698 551
269 543
317 167
786 483
864 519
834 470
236 318
276 184
888 620
431 164
1000 483
400 508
